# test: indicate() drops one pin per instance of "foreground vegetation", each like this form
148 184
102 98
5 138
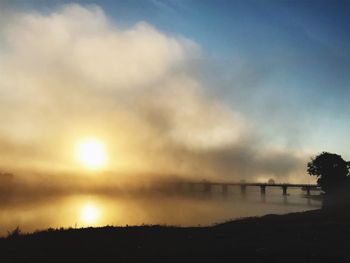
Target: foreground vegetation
313 236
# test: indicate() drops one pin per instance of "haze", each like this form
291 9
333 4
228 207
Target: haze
178 97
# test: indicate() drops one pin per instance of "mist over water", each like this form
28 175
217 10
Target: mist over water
191 209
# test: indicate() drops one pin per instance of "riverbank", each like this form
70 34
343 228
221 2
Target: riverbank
313 236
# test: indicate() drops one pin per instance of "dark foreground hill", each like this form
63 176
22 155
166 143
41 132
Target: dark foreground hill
314 236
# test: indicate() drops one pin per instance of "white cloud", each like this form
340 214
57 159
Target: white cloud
73 72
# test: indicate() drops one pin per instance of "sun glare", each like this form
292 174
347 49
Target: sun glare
92 153
89 214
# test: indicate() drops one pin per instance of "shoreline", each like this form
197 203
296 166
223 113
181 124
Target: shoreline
311 236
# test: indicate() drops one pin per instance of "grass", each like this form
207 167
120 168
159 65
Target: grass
313 236
14 233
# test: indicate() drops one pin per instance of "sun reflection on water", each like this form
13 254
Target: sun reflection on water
96 210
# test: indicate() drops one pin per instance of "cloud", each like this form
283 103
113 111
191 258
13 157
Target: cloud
73 73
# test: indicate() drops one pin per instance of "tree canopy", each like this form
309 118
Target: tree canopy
331 170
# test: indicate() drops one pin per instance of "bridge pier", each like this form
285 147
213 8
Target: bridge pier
308 191
284 188
207 188
243 189
224 189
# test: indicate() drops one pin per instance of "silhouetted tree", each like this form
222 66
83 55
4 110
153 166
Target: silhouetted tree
271 181
331 170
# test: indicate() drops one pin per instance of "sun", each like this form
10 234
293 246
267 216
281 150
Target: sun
89 214
91 153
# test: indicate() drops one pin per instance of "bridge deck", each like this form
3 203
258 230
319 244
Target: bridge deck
256 184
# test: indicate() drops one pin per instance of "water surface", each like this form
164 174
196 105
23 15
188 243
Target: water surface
191 209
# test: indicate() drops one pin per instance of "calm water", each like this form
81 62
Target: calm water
190 210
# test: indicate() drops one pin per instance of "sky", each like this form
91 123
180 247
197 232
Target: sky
211 89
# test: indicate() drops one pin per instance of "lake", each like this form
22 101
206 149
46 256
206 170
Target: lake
191 209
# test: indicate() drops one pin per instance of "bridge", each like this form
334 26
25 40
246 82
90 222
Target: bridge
207 186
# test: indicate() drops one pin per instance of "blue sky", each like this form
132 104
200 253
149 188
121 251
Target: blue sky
289 61
284 65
